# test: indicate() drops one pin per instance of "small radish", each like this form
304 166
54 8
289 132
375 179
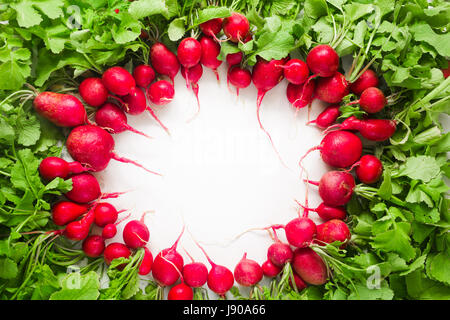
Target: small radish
189 52
180 291
300 231
248 272
55 167
115 250
327 212
192 76
269 269
164 61
296 71
144 75
327 117
61 109
323 61
93 246
372 100
110 229
161 92
368 169
118 80
234 58
335 187
236 27
239 77
333 230
146 263
104 214
367 79
85 188
195 274
79 230
212 27
136 233
301 95
279 254
93 146
64 212
309 266
332 89
299 283
210 51
93 91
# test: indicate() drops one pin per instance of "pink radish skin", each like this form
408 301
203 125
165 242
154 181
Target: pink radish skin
234 58
248 272
115 250
335 188
55 167
85 188
136 233
238 77
211 27
210 51
372 100
79 230
65 211
371 129
164 61
63 110
309 266
93 246
296 71
161 92
118 80
147 262
189 52
109 231
300 232
333 230
327 117
332 89
192 76
326 212
270 270
236 27
301 95
279 254
93 91
180 292
299 283
195 274
367 79
144 75
105 213
369 169
323 61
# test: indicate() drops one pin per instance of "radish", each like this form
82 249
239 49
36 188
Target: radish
195 274
327 117
234 58
61 109
323 61
118 80
136 233
296 71
369 169
339 149
335 188
212 27
309 266
301 95
64 212
93 246
236 27
371 129
299 283
94 147
367 79
189 52
85 188
144 75
333 230
110 229
332 89
111 118
79 230
210 51
279 254
164 61
270 270
372 100
93 91
300 231
115 250
167 264
161 92
327 212
180 291
192 76
55 167
248 272
105 213
239 77
146 263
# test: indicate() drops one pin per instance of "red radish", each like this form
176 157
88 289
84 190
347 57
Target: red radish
85 188
299 283
93 91
332 89
239 77
327 117
323 61
335 187
300 232
309 266
279 254
180 291
167 264
118 80
79 230
61 109
236 27
446 71
296 71
164 61
333 230
372 100
109 231
301 95
161 92
115 250
192 76
211 27
136 233
94 147
327 212
93 246
234 58
195 274
111 118
189 52
64 212
146 263
105 213
144 75
210 51
339 149
55 167
248 272
367 79
270 270
369 169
